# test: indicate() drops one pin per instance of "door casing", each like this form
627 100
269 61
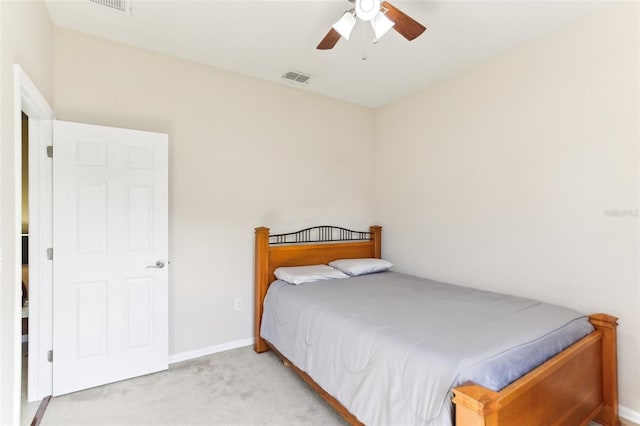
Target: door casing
28 98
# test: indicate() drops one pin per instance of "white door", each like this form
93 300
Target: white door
110 255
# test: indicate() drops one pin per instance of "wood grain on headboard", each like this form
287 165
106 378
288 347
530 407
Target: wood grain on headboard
269 257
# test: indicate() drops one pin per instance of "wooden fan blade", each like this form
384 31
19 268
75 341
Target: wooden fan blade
329 40
404 24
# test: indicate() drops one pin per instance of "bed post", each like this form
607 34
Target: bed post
475 405
608 325
261 284
376 232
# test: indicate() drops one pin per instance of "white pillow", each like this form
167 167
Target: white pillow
355 267
306 274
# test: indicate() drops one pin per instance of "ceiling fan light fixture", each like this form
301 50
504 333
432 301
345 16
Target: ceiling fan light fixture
382 16
367 9
345 25
381 25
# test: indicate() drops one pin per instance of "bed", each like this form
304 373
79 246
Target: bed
577 385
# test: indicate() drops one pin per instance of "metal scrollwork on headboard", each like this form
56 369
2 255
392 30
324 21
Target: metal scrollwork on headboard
320 234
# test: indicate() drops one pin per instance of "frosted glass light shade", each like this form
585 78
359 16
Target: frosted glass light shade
367 9
345 25
381 25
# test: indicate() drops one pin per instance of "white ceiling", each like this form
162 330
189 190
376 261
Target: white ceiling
265 39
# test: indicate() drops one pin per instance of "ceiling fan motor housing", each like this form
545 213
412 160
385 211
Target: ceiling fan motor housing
367 9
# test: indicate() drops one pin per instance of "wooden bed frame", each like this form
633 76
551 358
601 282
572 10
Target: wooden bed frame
578 385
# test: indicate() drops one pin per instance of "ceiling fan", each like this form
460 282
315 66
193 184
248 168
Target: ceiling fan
382 16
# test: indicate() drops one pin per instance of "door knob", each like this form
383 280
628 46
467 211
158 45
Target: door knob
159 264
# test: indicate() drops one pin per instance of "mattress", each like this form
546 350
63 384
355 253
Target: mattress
391 347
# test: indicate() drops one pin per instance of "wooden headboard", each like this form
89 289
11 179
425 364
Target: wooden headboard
311 246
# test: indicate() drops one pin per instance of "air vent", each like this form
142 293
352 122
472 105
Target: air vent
297 77
122 6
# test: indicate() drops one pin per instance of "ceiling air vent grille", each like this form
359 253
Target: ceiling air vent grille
122 6
297 77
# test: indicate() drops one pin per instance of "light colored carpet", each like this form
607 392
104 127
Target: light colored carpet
237 387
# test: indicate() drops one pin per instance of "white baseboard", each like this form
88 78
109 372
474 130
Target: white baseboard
183 356
629 414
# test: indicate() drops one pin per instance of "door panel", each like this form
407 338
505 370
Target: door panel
110 219
90 319
90 217
139 218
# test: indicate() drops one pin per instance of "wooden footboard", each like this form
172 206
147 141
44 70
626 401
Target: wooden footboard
576 386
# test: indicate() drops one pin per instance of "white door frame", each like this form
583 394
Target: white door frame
28 98
39 378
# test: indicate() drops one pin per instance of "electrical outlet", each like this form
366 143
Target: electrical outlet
238 304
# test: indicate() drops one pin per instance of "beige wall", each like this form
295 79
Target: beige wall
26 36
503 177
512 176
243 153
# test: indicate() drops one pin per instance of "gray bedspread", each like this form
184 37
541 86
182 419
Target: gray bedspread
390 347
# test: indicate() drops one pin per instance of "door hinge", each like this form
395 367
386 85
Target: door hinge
50 151
50 253
50 355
